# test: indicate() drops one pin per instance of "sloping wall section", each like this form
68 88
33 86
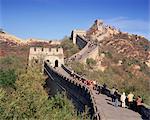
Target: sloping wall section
88 50
78 92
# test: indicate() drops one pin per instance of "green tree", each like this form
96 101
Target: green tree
30 101
7 78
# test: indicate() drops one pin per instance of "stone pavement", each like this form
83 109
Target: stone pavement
109 112
106 108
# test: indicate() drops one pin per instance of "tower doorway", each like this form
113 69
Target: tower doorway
56 63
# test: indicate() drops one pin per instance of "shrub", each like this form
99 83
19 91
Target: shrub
90 62
78 67
7 78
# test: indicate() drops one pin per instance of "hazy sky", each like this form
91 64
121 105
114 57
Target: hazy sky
53 19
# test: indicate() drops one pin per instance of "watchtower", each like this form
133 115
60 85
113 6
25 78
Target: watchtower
54 56
77 32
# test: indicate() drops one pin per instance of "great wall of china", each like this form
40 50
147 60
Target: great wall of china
100 107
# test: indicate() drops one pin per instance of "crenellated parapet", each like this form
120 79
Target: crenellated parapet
46 51
54 56
75 89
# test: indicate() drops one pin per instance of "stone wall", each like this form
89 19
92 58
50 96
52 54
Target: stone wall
54 56
93 54
77 92
77 32
80 42
88 50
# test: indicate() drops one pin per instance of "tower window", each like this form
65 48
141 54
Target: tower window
35 49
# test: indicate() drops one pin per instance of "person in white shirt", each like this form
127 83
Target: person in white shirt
94 85
123 98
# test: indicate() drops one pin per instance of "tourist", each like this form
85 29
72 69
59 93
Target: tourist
104 88
130 99
123 98
139 103
99 89
88 82
85 82
94 85
72 73
116 97
112 94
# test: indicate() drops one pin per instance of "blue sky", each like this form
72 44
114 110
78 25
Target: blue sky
53 19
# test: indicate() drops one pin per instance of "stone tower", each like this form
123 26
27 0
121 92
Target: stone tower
77 32
54 56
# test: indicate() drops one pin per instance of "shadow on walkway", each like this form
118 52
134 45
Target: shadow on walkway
110 103
107 99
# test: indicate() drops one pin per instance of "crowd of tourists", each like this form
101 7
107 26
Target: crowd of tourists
117 98
126 101
123 100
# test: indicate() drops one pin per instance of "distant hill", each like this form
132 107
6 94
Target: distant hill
10 44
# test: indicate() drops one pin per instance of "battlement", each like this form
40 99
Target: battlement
54 56
47 51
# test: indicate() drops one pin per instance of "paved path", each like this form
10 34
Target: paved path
110 112
83 53
106 108
63 72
